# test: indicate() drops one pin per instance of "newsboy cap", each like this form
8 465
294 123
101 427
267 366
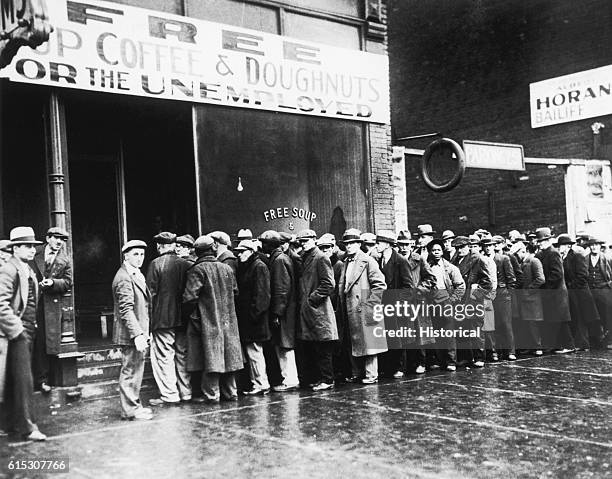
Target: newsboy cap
246 244
351 235
285 237
460 241
23 235
306 235
58 232
133 244
221 237
203 243
386 236
165 237
185 240
327 239
272 237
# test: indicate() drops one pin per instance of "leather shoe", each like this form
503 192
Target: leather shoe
323 386
257 392
369 380
162 402
35 435
143 414
285 387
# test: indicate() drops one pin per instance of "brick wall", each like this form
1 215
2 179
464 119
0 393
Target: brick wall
463 68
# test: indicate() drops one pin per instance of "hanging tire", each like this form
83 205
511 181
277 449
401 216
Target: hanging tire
426 158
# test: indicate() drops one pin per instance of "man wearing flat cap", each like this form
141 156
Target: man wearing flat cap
54 273
166 282
213 337
600 283
18 303
397 278
131 328
317 323
184 248
557 334
222 251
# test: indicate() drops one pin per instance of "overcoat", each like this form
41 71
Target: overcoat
555 299
132 307
53 300
13 298
283 298
213 340
424 287
576 272
528 296
166 282
316 313
360 290
253 300
228 258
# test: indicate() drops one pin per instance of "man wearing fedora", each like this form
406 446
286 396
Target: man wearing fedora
502 304
166 282
361 288
398 280
555 300
425 235
54 273
583 310
131 328
317 322
18 303
449 250
600 284
368 244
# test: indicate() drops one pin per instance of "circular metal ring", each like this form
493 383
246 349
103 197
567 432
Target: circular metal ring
460 157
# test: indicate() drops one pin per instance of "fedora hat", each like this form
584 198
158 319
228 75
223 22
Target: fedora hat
6 246
543 234
22 235
368 238
351 235
133 244
474 239
591 240
386 236
564 239
498 239
244 234
487 240
448 234
425 230
404 237
460 241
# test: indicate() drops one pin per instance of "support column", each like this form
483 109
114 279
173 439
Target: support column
65 366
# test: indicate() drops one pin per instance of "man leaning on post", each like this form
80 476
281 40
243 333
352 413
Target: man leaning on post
131 328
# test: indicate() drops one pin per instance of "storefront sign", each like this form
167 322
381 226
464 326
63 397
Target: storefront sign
287 212
572 97
107 47
494 156
22 22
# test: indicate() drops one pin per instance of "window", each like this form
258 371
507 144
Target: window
230 12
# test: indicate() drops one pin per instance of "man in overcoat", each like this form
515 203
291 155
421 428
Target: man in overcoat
600 284
582 306
557 334
18 303
317 323
54 273
184 248
166 282
131 328
502 304
399 283
213 337
252 310
222 251
283 309
361 288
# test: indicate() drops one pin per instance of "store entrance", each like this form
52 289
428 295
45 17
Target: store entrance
132 175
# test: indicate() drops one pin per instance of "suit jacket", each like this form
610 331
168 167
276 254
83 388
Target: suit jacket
360 290
317 319
396 272
505 271
529 297
576 272
132 307
166 282
554 297
55 297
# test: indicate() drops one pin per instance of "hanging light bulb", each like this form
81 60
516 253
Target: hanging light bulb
240 188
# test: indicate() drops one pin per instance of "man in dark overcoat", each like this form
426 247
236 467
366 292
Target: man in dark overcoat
213 337
555 300
54 273
166 282
317 323
502 304
18 303
582 306
132 313
252 310
283 309
399 282
600 284
222 251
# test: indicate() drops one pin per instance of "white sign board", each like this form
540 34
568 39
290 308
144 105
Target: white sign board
495 156
109 47
578 96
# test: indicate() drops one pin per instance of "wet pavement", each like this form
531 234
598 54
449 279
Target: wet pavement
537 417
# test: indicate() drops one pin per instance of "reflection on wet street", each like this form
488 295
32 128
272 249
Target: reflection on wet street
537 417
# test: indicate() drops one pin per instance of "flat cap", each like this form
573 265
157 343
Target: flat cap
165 237
221 237
286 237
132 244
203 243
306 234
460 241
368 238
386 236
327 239
185 240
58 232
246 244
271 237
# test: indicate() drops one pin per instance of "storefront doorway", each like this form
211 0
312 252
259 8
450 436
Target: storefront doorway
131 169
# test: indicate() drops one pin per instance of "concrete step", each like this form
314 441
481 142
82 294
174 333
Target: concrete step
102 364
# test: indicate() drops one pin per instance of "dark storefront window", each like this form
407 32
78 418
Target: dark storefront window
289 167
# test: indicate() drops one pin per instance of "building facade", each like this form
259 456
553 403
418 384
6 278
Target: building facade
293 144
464 69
